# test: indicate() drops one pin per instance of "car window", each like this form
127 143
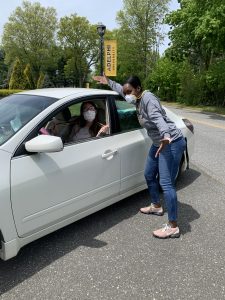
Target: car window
127 115
70 125
17 110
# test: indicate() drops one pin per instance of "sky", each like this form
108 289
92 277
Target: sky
94 10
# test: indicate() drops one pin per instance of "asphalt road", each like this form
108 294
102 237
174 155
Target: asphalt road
210 142
112 254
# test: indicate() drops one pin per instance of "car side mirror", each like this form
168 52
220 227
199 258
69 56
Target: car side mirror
44 143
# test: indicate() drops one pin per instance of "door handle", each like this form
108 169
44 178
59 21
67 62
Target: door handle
109 154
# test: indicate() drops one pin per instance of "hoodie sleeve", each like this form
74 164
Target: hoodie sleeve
116 87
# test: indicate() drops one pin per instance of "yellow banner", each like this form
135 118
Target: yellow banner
110 48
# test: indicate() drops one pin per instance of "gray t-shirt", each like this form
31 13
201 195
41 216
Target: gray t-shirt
82 133
152 116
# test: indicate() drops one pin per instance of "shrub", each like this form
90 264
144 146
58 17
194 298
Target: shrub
190 91
163 79
17 79
7 92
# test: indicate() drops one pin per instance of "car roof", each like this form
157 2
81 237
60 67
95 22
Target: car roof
60 93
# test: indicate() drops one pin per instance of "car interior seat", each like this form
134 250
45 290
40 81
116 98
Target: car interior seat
59 125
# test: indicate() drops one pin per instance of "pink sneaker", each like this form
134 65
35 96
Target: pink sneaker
167 232
152 210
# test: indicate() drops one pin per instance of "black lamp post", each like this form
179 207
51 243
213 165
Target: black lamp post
101 31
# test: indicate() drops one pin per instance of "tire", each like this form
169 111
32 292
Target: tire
181 167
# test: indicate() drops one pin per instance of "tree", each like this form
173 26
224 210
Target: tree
163 80
40 81
215 81
30 35
138 36
191 85
198 31
198 39
70 70
3 69
29 77
79 40
18 79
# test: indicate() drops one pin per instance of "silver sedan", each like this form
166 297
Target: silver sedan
50 178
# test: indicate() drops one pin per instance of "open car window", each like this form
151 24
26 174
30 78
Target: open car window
69 124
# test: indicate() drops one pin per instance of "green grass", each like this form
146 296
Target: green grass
212 109
7 92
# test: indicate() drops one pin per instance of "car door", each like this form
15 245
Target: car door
47 188
134 145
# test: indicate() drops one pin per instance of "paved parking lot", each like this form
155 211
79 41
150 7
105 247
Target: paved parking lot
112 254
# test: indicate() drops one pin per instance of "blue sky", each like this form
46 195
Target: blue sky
94 10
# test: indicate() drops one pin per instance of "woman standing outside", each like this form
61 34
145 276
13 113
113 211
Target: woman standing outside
164 155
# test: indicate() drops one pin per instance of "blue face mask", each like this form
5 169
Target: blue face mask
131 99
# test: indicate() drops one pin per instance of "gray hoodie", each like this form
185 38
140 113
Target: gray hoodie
152 116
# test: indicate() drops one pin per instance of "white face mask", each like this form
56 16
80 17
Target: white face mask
89 115
131 99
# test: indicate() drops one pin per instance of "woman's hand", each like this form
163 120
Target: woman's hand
163 144
101 79
104 129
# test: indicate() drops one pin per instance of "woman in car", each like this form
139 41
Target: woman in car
87 125
164 155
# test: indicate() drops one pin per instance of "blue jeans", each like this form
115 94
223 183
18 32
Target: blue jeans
166 165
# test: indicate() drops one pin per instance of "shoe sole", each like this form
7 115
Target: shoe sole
172 236
152 213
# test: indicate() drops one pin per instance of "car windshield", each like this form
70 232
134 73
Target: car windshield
17 110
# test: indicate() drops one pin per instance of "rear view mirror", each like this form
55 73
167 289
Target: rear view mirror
44 143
